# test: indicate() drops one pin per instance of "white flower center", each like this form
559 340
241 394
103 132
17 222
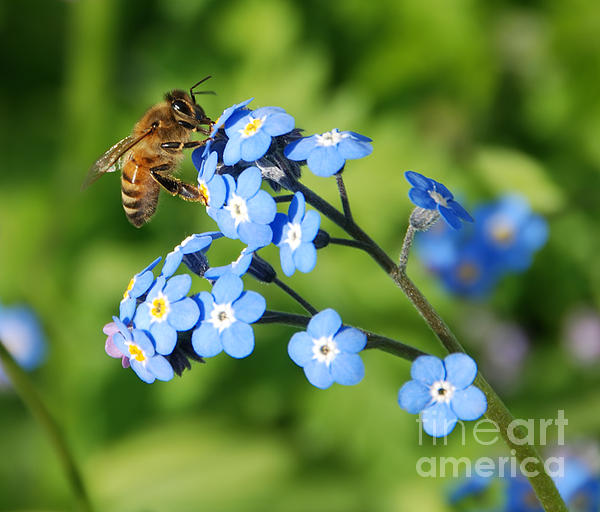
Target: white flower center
331 138
159 308
442 391
238 209
222 316
438 198
325 350
294 235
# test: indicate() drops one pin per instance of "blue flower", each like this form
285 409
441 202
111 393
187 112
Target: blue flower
137 287
22 336
227 113
443 393
431 195
250 134
328 352
227 311
212 185
327 153
238 267
192 252
137 346
474 272
294 234
511 231
248 210
167 310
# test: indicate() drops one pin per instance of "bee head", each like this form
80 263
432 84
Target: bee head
184 106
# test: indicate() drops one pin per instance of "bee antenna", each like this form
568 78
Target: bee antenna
196 85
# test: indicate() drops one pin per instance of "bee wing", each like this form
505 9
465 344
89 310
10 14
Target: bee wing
108 162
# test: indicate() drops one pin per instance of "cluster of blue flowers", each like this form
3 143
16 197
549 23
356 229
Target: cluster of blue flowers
161 327
470 262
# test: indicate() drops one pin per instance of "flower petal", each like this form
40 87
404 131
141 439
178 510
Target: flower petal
300 348
418 180
413 397
325 161
184 314
300 149
161 368
178 287
428 369
469 404
305 257
248 183
461 370
227 288
165 337
249 307
318 374
206 340
347 369
297 207
278 123
422 198
438 420
255 146
255 235
262 208
310 226
351 340
324 324
238 340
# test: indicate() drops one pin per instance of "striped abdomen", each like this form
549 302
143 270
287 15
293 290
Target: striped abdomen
139 192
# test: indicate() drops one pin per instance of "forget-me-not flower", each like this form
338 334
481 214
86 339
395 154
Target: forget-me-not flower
326 154
294 234
432 195
167 310
328 352
192 252
212 185
443 392
227 314
137 287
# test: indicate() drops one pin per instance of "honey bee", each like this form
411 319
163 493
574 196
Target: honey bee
148 157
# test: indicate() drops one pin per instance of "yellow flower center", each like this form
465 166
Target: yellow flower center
503 233
136 353
159 308
129 288
204 193
252 128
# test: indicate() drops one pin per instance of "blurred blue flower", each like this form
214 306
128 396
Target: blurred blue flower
326 154
474 272
227 113
167 310
137 346
431 195
248 210
192 252
294 234
443 393
328 352
22 335
212 185
470 486
511 231
227 313
138 286
250 133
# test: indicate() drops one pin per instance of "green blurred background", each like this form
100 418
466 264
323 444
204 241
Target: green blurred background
487 97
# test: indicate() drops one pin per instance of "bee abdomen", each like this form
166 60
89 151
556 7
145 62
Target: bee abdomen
139 193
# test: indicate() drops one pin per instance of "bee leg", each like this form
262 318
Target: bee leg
177 187
183 145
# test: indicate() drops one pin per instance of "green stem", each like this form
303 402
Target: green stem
32 400
542 484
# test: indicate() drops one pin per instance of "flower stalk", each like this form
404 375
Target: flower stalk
27 392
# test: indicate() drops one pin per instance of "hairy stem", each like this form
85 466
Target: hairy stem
31 398
296 296
541 482
343 195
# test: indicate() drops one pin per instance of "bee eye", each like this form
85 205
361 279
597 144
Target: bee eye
181 107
